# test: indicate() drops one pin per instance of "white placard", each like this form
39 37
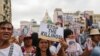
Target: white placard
25 30
50 32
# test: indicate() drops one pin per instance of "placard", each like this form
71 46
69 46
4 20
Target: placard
50 32
26 30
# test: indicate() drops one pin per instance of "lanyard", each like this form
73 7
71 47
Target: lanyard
11 50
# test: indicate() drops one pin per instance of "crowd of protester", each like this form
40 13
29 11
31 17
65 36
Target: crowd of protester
87 43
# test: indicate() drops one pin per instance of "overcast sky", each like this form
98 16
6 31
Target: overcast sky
35 9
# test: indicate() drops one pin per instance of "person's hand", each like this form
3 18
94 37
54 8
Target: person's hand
63 42
93 44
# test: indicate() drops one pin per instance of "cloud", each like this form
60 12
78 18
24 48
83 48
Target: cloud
35 9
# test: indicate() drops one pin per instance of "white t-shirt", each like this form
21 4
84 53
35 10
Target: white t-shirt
55 50
16 51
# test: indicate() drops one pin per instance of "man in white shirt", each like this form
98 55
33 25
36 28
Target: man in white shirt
7 48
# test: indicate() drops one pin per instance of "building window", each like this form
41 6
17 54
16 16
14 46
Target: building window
4 6
6 1
6 11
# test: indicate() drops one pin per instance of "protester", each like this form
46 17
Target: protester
80 39
74 48
7 48
28 49
92 42
34 36
95 35
43 48
83 37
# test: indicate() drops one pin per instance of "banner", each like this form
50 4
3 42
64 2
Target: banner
50 32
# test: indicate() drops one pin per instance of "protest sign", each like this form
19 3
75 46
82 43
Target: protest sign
50 32
72 47
26 29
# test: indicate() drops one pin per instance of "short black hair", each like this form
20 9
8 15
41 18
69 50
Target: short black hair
5 22
34 36
67 32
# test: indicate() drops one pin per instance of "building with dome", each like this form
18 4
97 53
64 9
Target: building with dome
46 18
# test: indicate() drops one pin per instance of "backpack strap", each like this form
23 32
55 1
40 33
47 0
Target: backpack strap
11 50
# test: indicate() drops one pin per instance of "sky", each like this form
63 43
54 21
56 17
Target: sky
35 9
